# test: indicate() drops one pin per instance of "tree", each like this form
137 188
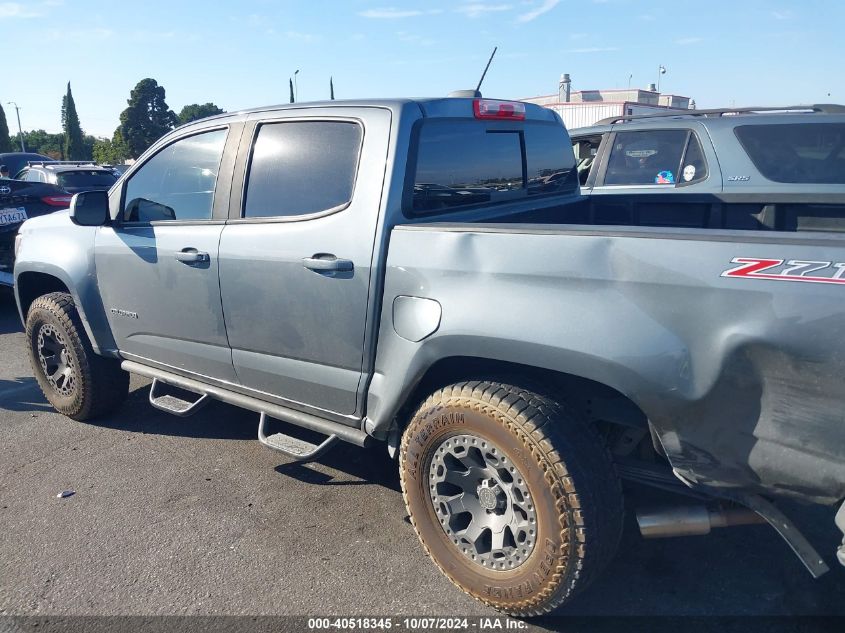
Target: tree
331 88
196 111
74 145
88 147
292 98
147 118
111 152
41 142
5 141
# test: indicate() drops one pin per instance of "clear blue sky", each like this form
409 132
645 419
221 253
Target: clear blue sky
240 54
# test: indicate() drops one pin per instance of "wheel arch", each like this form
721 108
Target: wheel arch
592 397
33 283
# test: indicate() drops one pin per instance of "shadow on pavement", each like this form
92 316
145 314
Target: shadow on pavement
216 421
9 319
371 466
22 394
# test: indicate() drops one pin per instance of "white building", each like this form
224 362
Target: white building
582 108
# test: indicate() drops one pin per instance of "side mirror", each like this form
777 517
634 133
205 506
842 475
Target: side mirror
90 208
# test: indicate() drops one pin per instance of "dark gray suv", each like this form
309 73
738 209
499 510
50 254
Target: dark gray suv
748 168
72 176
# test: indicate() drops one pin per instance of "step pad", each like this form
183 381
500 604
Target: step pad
291 445
173 404
295 448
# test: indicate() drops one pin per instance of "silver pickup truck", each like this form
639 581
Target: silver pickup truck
422 273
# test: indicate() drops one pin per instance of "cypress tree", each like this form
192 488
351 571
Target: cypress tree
74 145
5 141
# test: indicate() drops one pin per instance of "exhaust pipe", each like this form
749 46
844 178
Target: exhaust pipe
692 520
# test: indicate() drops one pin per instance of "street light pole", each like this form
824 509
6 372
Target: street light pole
661 70
295 86
20 129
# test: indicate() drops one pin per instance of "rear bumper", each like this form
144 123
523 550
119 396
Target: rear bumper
840 523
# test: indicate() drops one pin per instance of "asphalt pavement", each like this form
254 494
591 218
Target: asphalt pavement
192 516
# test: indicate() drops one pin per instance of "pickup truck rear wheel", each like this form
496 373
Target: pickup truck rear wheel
76 381
512 494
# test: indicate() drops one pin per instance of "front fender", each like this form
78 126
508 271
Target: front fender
53 247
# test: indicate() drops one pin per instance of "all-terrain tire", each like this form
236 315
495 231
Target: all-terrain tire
576 493
92 385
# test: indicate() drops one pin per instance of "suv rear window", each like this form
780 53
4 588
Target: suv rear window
463 163
797 152
87 178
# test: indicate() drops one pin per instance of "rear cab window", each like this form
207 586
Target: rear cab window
461 163
810 153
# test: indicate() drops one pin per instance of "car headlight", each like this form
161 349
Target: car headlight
18 239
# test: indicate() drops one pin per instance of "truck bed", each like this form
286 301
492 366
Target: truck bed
736 365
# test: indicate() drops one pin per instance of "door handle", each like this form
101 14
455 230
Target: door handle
324 262
192 256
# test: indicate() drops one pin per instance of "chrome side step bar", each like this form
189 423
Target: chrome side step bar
293 447
350 434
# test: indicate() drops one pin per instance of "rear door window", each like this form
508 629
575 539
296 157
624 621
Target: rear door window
302 167
652 157
796 152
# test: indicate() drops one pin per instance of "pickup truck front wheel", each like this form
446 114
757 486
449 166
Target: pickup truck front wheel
76 381
512 494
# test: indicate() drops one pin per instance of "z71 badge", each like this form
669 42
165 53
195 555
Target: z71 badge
792 270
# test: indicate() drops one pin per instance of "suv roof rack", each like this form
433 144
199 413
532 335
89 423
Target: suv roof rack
826 108
51 163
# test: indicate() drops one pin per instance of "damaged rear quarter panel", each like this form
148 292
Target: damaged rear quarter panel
742 378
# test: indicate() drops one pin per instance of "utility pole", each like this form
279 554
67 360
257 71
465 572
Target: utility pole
20 129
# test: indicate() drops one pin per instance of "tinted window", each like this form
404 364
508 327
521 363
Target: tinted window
86 178
693 167
797 152
178 182
299 168
647 157
551 164
461 163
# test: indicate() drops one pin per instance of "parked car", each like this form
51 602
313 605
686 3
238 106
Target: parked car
20 200
762 169
16 161
518 356
72 176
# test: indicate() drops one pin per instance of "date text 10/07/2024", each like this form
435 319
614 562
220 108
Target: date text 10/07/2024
480 623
